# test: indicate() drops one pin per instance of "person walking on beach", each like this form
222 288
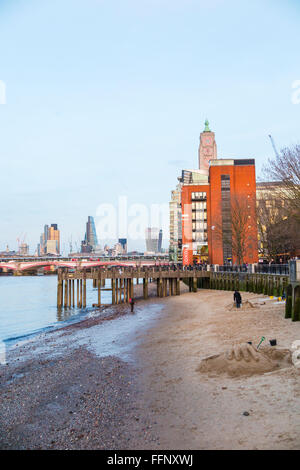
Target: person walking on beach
237 298
131 301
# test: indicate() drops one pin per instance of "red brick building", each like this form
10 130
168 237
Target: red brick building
219 211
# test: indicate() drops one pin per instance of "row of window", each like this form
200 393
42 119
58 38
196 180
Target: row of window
199 237
200 226
199 216
199 206
198 196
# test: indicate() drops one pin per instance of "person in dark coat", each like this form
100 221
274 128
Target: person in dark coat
131 301
237 298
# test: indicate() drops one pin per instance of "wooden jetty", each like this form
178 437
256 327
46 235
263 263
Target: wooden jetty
122 283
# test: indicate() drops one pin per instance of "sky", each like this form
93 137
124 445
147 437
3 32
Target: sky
107 99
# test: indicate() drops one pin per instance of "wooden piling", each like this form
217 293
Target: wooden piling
59 290
113 291
131 289
66 293
84 292
117 291
70 292
99 293
178 286
80 293
145 288
73 293
77 292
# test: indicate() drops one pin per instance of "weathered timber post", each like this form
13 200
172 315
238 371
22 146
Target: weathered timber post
171 290
128 289
113 291
70 292
66 291
124 289
159 283
178 286
131 288
117 290
84 289
162 287
99 288
59 289
80 293
120 291
145 287
77 293
73 293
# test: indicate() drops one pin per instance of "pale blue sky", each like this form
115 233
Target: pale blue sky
108 98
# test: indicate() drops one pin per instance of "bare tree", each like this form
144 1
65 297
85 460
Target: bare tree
285 168
240 231
281 225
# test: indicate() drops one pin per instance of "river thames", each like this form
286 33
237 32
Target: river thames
28 305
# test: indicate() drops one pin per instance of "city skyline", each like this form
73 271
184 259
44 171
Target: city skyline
96 117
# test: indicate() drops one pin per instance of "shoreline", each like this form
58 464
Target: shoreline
145 391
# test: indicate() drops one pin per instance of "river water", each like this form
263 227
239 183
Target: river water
28 305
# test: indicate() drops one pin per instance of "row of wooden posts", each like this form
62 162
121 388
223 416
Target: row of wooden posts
73 291
268 284
71 287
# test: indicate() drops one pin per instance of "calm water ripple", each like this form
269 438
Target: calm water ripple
28 304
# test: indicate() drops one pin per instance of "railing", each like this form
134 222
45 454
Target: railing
260 268
233 269
272 268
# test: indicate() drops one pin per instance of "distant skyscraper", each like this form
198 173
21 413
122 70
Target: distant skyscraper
90 241
153 239
49 241
160 235
123 243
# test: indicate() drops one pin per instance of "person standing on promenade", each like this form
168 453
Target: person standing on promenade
237 298
131 301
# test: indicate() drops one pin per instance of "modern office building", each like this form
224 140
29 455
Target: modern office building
160 237
52 235
24 249
123 243
175 225
153 240
90 242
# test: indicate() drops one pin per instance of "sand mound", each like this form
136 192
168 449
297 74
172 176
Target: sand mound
245 306
246 360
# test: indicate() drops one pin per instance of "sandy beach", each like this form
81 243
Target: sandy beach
142 381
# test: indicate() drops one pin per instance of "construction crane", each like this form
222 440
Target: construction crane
274 146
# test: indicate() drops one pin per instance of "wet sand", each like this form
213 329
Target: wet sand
81 388
205 411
